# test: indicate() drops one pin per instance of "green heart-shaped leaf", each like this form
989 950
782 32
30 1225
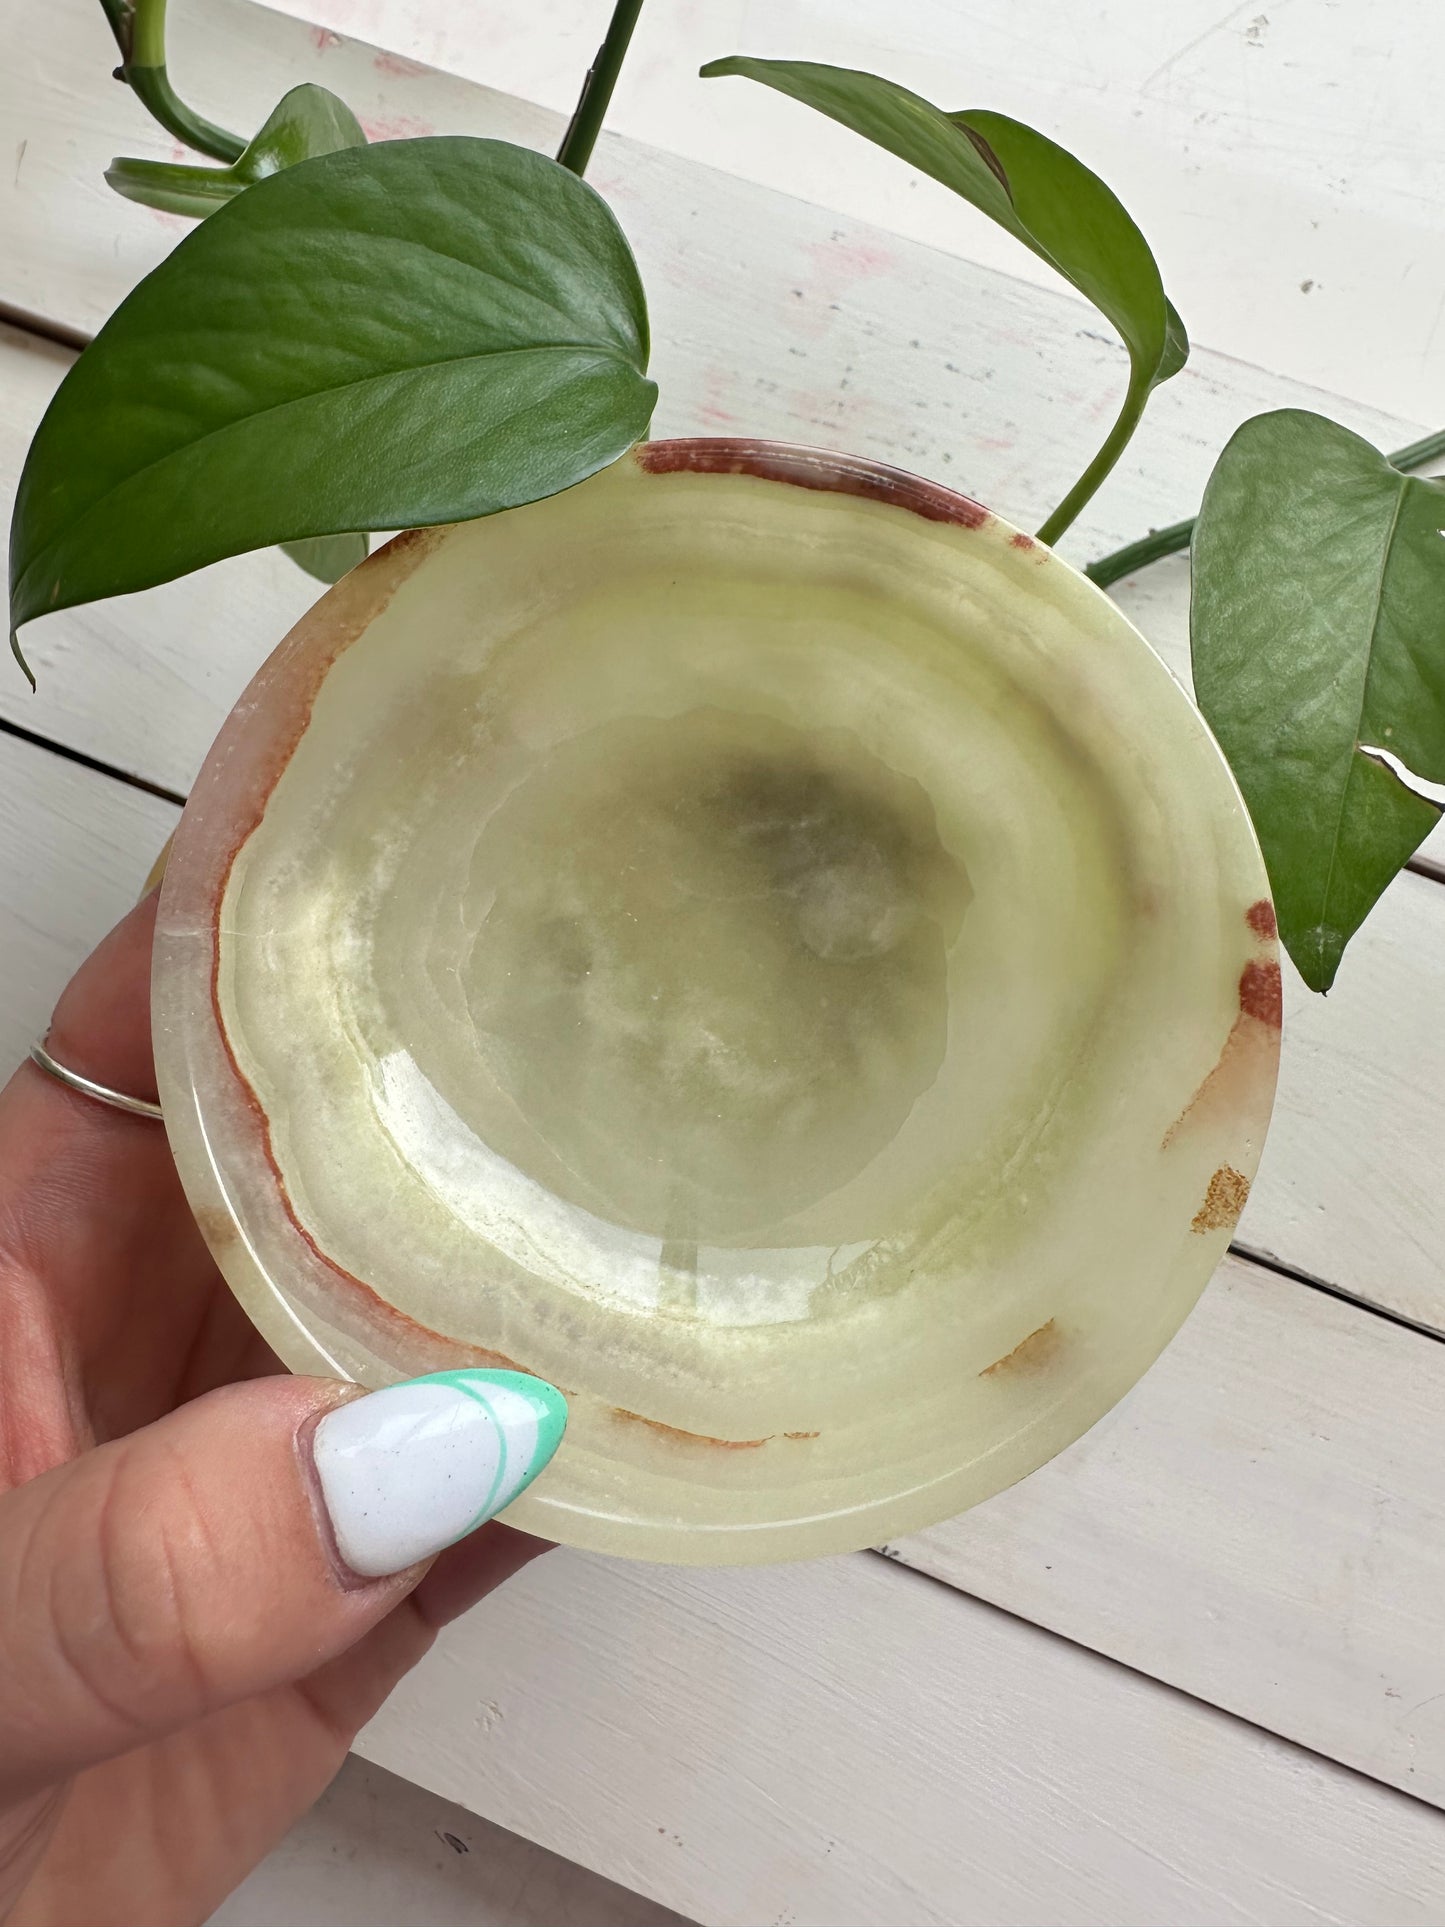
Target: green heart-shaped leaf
414 332
1032 187
1318 632
306 122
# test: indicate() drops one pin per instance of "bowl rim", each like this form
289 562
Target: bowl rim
291 678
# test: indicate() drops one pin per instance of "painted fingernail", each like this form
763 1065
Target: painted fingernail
406 1471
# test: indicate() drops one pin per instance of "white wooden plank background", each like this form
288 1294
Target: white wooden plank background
76 850
1287 161
848 1742
378 1848
1259 1524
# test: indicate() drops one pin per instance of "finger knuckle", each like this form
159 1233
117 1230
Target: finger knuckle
130 1638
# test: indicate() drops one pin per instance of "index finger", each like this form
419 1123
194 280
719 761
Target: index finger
109 1302
102 1024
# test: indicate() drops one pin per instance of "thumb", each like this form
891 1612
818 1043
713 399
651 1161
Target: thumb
237 1544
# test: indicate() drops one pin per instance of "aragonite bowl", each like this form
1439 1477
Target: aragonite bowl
754 940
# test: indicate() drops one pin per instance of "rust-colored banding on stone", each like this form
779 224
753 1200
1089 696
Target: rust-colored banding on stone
1261 993
1031 1354
346 612
216 1226
810 468
680 1437
1261 920
1224 1201
801 1435
1252 1045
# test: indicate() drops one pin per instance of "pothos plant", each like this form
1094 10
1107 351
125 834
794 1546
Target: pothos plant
366 336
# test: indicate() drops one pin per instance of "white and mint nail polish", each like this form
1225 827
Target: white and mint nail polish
417 1466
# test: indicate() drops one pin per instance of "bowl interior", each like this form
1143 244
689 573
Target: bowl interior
753 940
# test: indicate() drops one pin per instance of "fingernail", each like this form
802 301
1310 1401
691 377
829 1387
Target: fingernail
406 1471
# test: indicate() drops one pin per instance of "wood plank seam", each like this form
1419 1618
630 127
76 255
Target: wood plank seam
897 1556
86 761
1267 1261
25 322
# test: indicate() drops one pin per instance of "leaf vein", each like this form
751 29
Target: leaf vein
293 401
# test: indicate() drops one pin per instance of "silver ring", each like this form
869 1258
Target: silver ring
87 1086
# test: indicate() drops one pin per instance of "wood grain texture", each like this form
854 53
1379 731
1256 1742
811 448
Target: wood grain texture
1260 1522
847 1742
1348 1190
375 1848
76 849
1287 164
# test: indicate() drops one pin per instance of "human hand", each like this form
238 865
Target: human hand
187 1646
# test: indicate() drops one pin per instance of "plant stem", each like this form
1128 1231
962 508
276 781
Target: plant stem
139 27
593 101
1114 446
1429 448
119 13
1152 547
1158 543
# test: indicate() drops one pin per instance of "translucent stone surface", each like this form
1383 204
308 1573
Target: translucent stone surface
782 962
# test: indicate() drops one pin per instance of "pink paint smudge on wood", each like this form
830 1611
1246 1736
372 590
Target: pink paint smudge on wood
398 66
713 410
845 261
830 270
396 127
831 408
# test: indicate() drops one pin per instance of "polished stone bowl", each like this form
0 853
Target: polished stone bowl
754 940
